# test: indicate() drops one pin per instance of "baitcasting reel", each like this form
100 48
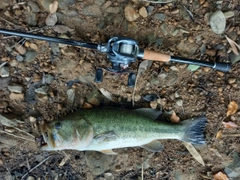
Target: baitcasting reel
121 51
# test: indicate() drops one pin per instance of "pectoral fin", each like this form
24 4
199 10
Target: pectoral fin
154 146
106 136
108 152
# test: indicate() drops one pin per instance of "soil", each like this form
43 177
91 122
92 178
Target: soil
56 79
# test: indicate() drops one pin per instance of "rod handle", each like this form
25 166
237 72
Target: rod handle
155 56
220 66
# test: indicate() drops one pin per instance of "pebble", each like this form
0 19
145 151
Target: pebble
211 52
20 49
201 1
42 90
31 19
33 46
4 82
3 104
179 102
15 89
4 71
191 39
231 80
229 14
108 176
130 13
71 95
175 11
32 119
137 97
87 105
153 104
30 55
113 10
143 12
218 22
31 178
19 58
159 16
87 66
92 10
150 9
234 58
1 162
16 96
34 6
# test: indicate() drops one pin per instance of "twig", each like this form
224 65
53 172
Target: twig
231 135
10 22
17 136
35 167
24 132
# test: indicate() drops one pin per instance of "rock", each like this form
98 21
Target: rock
137 97
179 102
201 1
231 80
130 13
33 46
4 71
15 96
159 16
42 90
153 104
108 176
3 104
113 10
34 6
55 48
175 11
20 49
51 19
71 95
234 58
4 4
218 22
186 49
150 9
30 178
1 162
4 82
210 52
30 56
92 10
143 12
229 14
87 66
99 2
15 89
191 39
19 58
31 19
47 79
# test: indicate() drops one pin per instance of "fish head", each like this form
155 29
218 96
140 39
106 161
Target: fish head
65 134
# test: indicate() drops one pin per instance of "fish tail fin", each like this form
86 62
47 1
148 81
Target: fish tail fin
194 132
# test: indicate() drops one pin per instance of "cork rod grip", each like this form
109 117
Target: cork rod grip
155 56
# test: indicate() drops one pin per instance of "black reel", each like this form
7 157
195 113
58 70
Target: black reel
121 51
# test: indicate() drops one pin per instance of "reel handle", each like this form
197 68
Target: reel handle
157 56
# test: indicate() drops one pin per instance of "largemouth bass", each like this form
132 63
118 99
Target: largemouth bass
104 129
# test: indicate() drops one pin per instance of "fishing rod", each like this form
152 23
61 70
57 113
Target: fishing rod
121 51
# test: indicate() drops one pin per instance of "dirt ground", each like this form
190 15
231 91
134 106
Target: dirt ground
43 81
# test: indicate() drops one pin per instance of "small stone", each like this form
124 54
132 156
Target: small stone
4 82
234 58
31 19
92 10
191 39
32 119
20 49
87 66
71 95
9 129
150 9
229 14
16 96
87 105
137 97
201 1
3 104
30 56
218 22
175 11
33 46
1 162
15 89
231 80
108 176
206 4
130 13
42 90
19 58
159 16
211 52
30 178
179 102
4 71
34 6
113 10
153 104
143 12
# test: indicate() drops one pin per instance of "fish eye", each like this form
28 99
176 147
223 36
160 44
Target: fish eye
58 125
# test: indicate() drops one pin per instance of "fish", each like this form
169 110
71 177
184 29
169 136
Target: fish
105 129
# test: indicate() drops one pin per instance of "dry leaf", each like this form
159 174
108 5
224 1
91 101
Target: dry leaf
53 7
51 19
62 29
233 45
144 65
64 160
174 118
107 94
229 124
220 176
194 152
219 134
232 108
